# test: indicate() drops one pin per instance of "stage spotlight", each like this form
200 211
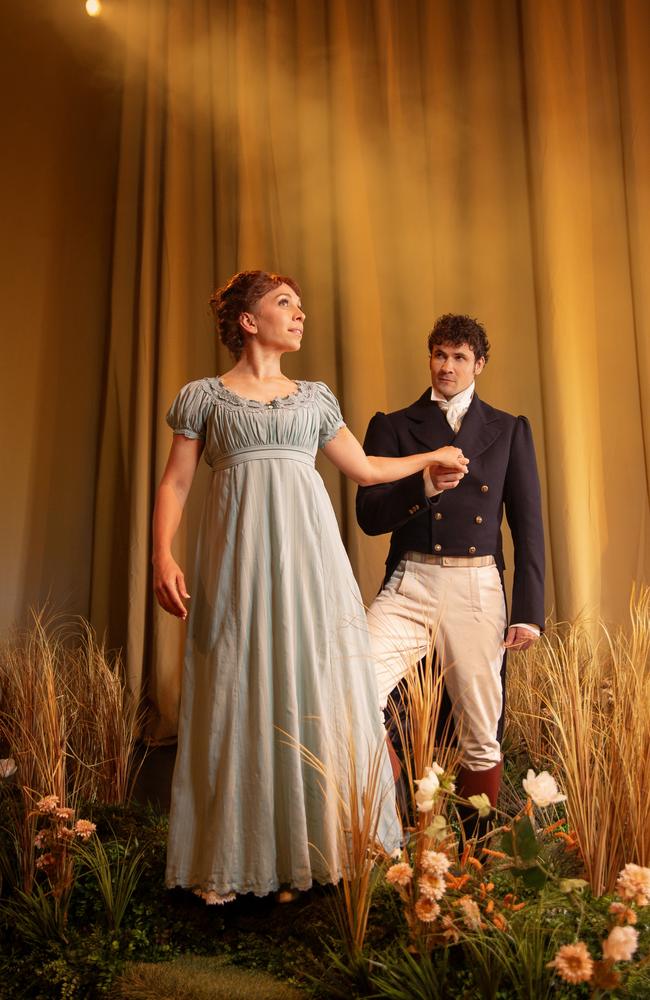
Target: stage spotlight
93 8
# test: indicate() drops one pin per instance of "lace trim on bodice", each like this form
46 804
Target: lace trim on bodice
305 391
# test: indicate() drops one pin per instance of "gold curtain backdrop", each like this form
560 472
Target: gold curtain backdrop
400 158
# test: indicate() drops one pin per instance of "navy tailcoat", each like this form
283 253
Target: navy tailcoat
466 520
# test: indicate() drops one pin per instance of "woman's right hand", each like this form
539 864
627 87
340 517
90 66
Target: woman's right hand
169 586
450 458
448 468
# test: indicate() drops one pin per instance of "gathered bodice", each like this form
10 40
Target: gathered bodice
232 425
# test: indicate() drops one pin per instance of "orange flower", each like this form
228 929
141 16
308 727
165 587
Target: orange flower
427 910
573 963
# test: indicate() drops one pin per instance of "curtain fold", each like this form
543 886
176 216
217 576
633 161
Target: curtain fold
400 158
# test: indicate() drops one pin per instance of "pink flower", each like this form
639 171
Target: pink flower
432 886
84 829
634 883
573 963
471 913
400 874
45 861
64 813
48 804
434 862
620 944
624 913
40 839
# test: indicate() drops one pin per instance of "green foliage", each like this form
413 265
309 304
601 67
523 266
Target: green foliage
116 869
37 916
409 977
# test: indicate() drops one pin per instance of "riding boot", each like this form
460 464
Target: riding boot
469 783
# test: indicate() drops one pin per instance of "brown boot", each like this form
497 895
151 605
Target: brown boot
475 783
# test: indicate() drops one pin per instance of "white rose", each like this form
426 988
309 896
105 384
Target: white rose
542 788
428 787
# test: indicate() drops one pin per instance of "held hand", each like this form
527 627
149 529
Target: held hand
443 479
519 638
451 458
169 587
448 469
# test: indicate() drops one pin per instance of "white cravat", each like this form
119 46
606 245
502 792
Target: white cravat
455 408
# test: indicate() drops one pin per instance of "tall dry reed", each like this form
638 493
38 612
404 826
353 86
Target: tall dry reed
416 723
66 718
579 704
360 805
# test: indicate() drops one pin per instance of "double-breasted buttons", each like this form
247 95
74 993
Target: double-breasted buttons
478 519
472 550
438 516
485 488
437 548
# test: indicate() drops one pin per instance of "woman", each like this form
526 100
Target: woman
277 658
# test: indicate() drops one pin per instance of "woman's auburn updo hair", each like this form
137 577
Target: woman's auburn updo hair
238 296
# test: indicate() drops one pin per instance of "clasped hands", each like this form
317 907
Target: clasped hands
449 468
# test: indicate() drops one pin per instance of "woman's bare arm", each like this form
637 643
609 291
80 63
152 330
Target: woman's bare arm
368 470
168 579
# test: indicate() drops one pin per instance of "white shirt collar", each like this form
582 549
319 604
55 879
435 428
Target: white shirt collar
460 401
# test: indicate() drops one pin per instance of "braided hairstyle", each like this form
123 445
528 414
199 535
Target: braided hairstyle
238 296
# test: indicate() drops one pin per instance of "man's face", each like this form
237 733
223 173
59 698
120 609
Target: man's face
453 368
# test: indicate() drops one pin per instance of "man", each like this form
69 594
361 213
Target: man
445 563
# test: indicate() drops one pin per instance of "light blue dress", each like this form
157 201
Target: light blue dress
277 658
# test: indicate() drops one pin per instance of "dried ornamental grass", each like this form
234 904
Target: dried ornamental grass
68 721
586 715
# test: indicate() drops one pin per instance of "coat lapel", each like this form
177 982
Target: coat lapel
427 423
479 430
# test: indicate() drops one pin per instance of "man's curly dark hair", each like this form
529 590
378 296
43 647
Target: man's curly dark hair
457 330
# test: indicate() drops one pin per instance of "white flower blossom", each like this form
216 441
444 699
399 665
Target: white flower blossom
621 943
428 788
542 788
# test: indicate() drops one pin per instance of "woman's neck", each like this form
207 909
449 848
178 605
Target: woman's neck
258 366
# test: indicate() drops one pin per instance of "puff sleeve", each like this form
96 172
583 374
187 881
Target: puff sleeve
331 419
188 414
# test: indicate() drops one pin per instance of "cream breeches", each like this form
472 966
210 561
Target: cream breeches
462 610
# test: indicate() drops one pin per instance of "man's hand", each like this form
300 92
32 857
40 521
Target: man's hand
520 638
442 478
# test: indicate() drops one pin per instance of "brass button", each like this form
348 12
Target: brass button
472 550
411 510
437 548
478 519
438 516
485 488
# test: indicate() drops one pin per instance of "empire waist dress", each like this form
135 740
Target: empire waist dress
277 662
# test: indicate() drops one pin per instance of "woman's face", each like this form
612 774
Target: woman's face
277 320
